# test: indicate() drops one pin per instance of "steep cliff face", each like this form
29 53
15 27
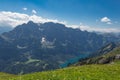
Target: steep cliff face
108 54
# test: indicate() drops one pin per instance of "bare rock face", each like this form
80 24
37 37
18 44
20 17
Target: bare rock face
103 61
117 56
109 54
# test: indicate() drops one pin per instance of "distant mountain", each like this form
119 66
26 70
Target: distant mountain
35 47
5 29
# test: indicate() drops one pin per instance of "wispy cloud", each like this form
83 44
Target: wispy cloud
34 11
13 19
106 20
84 27
24 8
98 29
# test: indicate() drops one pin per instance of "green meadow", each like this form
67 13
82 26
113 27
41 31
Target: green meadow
86 72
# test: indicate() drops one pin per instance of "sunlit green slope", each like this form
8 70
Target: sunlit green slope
86 72
108 71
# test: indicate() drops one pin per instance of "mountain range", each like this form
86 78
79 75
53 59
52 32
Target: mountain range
34 47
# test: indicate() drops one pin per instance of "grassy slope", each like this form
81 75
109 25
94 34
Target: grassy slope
5 76
86 72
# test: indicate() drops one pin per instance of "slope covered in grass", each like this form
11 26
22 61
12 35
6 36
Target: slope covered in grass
86 72
93 71
5 76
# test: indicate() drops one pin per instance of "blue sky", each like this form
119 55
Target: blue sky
88 12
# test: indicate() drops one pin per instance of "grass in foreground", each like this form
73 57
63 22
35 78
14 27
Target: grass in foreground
5 76
86 72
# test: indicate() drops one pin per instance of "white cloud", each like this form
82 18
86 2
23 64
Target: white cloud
47 44
24 8
106 20
98 29
109 23
95 29
13 19
34 11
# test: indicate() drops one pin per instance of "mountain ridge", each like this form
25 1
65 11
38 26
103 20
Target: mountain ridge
38 47
106 55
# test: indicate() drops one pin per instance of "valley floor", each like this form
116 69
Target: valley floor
86 72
